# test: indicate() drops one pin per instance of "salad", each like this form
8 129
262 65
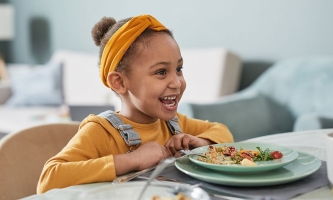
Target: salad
227 155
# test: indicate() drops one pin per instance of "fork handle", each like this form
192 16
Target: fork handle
130 176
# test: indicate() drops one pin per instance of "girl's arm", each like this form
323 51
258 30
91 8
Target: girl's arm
196 133
94 155
147 155
212 131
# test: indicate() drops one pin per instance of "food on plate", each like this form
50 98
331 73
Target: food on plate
227 155
247 162
276 155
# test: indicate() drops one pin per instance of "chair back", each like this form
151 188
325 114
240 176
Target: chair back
24 153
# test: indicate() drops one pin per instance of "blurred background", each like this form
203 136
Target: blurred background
226 46
260 32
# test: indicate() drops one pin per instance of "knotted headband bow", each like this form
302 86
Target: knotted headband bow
122 39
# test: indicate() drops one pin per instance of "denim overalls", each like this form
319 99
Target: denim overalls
126 131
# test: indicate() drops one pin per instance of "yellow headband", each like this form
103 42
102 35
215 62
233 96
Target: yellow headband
122 39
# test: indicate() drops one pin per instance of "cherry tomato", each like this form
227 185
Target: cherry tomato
276 155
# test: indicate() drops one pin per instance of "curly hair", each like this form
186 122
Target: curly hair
107 26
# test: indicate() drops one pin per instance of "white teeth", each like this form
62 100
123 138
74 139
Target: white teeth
171 104
169 98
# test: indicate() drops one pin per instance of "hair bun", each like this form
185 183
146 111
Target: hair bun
101 28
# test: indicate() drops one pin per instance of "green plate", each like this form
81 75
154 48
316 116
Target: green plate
289 155
304 165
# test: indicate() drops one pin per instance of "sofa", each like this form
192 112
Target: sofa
292 95
37 94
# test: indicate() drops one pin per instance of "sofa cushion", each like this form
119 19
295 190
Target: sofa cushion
210 73
301 84
36 85
82 85
242 112
313 121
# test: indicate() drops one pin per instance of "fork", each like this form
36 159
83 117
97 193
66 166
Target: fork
158 169
189 152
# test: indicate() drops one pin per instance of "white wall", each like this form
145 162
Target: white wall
255 30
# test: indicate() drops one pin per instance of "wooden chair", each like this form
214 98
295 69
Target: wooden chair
23 154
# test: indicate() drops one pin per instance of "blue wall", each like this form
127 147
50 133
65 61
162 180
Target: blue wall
257 30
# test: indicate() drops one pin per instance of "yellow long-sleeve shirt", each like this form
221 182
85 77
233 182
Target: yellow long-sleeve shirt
88 157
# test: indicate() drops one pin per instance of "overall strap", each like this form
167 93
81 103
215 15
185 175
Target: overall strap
130 137
174 126
126 131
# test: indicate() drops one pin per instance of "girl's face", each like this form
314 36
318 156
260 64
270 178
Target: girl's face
155 83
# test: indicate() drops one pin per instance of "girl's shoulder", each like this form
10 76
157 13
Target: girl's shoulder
97 121
182 117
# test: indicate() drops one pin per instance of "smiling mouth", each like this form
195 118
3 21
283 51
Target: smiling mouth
168 101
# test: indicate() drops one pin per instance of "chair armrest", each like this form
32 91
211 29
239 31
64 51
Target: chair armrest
312 121
246 114
5 91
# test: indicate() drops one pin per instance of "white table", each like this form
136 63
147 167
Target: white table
312 142
29 116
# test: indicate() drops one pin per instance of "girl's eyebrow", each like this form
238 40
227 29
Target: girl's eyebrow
164 63
159 63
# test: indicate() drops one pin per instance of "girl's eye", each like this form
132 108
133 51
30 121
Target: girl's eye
180 69
161 72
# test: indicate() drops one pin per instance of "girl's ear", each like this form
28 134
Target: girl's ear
116 82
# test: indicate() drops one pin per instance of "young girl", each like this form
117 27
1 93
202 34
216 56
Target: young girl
142 63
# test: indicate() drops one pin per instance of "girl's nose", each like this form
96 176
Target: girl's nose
175 81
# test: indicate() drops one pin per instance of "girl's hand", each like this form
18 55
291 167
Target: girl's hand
149 155
185 141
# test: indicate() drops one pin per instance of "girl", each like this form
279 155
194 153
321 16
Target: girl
142 63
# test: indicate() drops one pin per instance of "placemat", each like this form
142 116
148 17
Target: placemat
283 191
